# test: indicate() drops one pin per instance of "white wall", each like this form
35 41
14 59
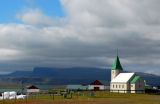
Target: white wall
33 90
91 87
119 87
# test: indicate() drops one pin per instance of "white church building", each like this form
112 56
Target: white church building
123 82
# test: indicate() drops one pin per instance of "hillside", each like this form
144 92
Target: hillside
61 76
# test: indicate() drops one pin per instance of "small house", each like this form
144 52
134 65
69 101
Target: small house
32 89
96 86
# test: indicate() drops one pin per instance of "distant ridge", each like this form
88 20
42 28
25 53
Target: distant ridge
62 76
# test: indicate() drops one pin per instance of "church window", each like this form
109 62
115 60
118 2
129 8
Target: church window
119 86
113 85
122 86
116 86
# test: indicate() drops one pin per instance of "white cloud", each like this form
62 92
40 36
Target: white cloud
36 17
88 35
8 53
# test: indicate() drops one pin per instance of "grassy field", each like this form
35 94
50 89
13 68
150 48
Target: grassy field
85 98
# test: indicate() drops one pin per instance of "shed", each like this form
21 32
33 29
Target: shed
96 86
32 89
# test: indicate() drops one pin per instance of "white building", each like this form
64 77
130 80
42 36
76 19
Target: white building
96 86
32 89
125 82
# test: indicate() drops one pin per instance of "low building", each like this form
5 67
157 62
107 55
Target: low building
76 87
32 89
96 86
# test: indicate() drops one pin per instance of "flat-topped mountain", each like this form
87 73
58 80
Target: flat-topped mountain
62 76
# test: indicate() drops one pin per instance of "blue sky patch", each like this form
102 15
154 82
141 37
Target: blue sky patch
10 8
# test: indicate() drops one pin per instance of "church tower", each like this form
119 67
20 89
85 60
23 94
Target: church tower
116 68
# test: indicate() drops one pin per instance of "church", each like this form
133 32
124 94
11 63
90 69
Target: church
124 82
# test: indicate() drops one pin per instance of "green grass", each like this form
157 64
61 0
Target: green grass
101 97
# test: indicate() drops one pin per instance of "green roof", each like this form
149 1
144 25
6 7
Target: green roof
117 65
135 79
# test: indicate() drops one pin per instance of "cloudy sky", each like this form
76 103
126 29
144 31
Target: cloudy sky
85 33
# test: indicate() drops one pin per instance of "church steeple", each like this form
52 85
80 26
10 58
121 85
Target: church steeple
117 65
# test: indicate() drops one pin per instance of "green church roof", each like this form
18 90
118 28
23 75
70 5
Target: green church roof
135 79
117 65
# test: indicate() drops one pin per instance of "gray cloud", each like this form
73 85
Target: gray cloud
88 35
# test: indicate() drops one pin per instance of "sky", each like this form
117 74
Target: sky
79 33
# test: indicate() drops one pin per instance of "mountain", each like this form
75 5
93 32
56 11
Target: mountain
20 74
57 76
151 79
61 76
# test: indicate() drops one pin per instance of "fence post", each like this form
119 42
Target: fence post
26 98
53 96
15 99
71 95
3 98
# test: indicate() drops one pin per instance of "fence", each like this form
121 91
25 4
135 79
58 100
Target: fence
128 91
60 95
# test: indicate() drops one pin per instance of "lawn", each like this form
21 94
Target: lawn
86 98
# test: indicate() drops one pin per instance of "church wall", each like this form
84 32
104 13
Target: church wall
133 88
119 87
138 87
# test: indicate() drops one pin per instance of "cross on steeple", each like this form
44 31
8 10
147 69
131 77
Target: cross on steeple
117 51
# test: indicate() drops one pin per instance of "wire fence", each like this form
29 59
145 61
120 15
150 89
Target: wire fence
74 94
